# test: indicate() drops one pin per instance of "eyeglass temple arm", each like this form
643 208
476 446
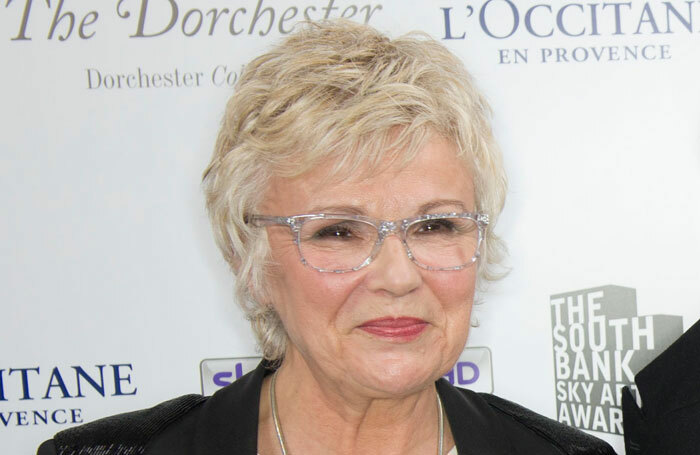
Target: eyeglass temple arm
267 220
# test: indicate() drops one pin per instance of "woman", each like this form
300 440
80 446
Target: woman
353 191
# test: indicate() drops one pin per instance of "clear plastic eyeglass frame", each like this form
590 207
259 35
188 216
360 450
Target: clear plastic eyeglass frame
384 229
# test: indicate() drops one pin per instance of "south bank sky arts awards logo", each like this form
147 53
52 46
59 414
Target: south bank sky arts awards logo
473 370
600 343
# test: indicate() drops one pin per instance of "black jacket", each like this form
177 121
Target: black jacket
227 423
669 421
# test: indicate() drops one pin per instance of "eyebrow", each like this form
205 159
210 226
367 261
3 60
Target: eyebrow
422 210
430 206
338 209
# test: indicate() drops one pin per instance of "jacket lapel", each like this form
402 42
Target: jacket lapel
475 428
229 421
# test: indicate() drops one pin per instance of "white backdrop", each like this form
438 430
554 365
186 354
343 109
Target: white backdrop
107 263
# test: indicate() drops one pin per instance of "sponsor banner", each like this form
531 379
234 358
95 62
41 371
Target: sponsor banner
110 111
572 33
75 21
60 396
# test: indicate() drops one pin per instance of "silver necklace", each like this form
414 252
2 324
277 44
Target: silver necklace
278 427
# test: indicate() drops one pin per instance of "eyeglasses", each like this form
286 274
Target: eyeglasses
346 243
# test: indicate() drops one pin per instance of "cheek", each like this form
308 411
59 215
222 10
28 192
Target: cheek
314 310
303 296
455 293
454 290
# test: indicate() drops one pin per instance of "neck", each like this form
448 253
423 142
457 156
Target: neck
319 415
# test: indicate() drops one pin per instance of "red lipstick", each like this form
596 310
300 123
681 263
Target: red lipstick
399 329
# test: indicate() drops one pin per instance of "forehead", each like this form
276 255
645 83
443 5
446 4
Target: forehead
393 189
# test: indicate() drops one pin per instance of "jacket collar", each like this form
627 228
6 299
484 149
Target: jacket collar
229 420
475 427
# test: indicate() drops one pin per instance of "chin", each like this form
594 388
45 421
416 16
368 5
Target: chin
400 376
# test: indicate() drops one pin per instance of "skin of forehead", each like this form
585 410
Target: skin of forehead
360 190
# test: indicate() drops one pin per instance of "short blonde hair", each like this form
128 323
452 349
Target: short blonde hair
342 93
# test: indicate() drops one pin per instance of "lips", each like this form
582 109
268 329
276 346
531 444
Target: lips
399 329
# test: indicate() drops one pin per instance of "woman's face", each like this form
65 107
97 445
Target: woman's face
348 328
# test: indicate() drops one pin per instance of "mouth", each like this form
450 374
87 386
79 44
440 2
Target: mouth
396 329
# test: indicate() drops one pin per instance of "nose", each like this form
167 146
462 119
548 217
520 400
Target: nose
392 271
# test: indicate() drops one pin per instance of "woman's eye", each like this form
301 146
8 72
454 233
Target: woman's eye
334 232
436 226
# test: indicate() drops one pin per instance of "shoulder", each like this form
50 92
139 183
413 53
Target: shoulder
513 428
568 439
191 424
130 432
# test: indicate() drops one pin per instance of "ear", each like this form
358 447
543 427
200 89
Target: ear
235 263
258 293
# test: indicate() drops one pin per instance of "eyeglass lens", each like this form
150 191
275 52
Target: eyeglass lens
343 244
